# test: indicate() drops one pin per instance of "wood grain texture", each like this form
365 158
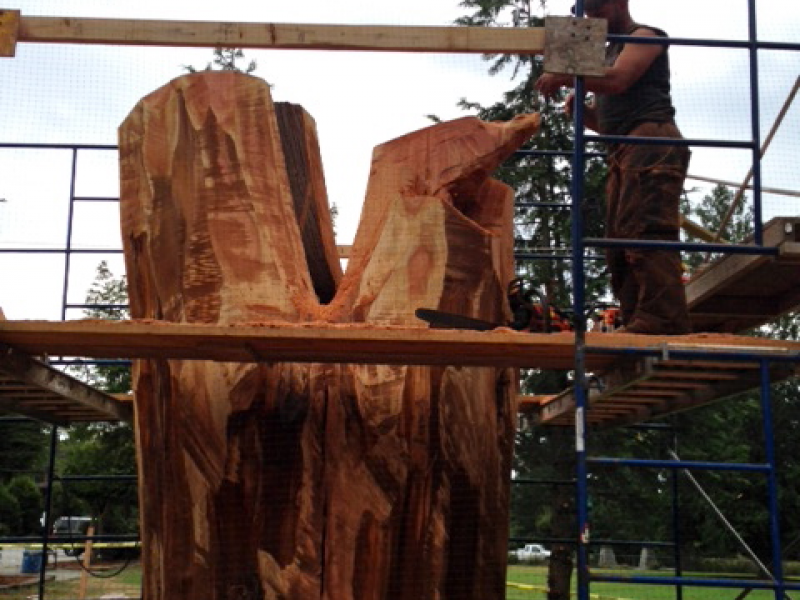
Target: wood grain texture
9 32
298 135
303 36
338 481
358 343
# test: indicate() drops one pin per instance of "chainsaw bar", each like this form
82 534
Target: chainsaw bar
445 320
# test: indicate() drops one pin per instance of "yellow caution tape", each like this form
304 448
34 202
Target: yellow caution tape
544 590
69 546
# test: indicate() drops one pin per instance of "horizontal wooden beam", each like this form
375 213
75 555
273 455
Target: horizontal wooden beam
139 32
351 343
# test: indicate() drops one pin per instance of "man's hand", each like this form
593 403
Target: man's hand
549 83
589 111
569 104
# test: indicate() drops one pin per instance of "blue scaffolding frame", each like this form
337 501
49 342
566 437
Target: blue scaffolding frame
579 246
68 250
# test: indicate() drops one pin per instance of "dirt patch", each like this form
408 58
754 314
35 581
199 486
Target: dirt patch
72 564
11 582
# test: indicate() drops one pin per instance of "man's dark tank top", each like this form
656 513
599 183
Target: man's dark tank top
647 100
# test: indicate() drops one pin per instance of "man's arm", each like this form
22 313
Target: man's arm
631 64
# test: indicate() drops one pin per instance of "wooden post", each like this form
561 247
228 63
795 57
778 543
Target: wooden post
87 564
315 480
9 31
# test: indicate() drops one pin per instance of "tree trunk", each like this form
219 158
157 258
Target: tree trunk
314 480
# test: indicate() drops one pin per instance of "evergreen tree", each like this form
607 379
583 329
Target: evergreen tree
101 448
226 59
709 213
542 182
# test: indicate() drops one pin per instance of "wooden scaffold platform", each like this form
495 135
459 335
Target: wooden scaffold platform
742 291
32 388
635 389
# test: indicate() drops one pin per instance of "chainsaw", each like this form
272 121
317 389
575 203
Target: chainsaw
530 311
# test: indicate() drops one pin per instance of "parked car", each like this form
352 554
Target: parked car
68 527
532 552
70 532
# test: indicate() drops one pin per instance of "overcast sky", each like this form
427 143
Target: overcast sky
80 94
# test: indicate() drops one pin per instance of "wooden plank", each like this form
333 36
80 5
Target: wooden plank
739 292
525 403
531 403
638 392
721 274
733 365
142 32
652 388
699 375
730 306
40 376
9 32
677 385
696 230
351 343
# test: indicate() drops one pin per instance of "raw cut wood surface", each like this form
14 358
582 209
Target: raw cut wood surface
364 343
334 481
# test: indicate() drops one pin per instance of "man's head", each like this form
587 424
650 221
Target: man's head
614 11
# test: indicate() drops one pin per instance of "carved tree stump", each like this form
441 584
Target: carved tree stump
306 481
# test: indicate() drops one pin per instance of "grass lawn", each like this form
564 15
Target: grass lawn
536 576
127 583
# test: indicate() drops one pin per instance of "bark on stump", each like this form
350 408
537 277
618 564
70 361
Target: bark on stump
314 480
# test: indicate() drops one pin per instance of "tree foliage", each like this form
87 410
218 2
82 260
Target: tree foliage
23 449
226 59
101 449
29 499
10 512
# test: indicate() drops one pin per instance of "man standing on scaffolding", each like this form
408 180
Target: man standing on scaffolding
645 181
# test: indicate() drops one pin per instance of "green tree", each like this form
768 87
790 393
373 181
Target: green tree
226 59
110 296
105 449
29 498
9 512
23 448
709 213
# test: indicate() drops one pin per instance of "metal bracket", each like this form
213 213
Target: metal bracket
9 31
574 46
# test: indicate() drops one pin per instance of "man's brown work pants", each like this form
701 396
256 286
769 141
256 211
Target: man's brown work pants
645 183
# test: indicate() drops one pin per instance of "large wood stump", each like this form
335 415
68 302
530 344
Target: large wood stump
306 481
